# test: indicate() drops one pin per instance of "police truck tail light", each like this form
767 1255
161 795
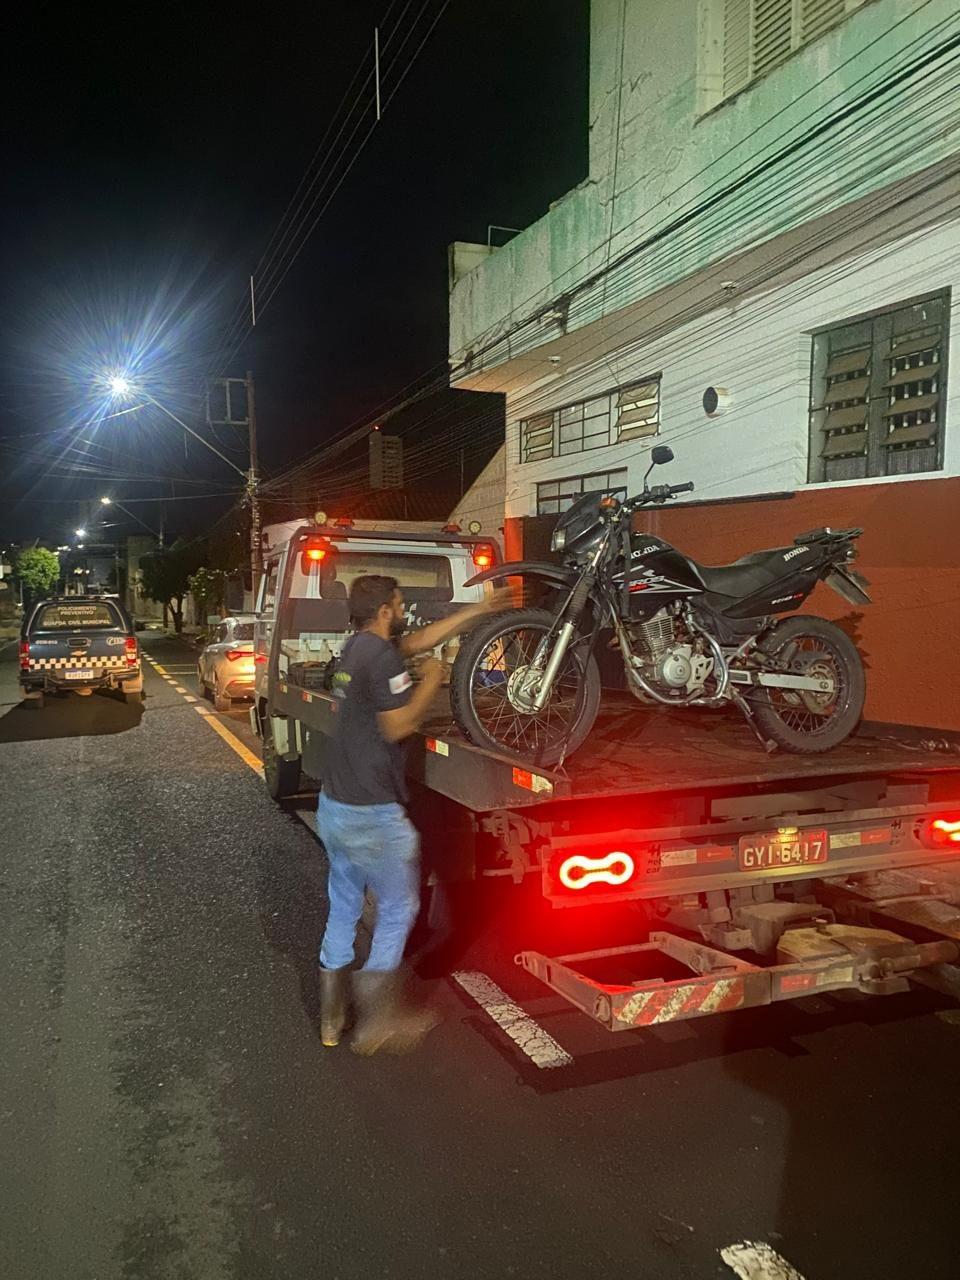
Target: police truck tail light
579 871
24 656
943 832
483 556
130 650
316 553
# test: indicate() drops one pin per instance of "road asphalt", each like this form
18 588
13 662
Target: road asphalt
167 1111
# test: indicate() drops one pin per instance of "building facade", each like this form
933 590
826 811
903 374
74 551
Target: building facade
758 271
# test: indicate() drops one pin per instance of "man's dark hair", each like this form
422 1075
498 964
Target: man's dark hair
368 595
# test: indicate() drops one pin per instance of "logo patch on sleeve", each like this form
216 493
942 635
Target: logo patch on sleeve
400 682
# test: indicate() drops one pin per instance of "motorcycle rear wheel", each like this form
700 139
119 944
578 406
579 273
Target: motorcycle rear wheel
812 723
489 657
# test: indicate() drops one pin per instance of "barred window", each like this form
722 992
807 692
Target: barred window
877 394
554 496
629 413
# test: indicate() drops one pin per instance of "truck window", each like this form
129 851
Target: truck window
315 620
267 599
421 577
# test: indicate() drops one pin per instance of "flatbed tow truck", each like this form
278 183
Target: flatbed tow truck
761 877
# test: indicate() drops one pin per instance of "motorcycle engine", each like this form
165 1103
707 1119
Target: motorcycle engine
670 660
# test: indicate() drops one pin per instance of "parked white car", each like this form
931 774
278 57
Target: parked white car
225 665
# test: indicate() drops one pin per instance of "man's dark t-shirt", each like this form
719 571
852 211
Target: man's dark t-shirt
362 767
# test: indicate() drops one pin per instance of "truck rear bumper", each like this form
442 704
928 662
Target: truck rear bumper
50 683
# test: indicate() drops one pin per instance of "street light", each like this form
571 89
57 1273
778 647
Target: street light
112 502
80 533
123 387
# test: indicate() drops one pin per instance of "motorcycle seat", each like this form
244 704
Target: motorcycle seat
746 575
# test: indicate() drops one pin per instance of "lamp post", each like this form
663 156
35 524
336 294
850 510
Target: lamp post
122 387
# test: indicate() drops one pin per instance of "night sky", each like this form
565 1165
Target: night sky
150 152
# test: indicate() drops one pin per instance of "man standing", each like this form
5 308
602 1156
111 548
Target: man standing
361 819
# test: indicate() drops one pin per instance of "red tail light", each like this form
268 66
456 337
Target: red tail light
234 654
24 656
130 649
259 658
483 555
313 551
944 832
580 871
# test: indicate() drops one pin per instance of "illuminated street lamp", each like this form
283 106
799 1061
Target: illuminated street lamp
112 502
80 533
119 385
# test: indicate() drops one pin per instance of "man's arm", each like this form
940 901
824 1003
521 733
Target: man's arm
402 721
435 633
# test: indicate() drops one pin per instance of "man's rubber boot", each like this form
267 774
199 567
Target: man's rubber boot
333 1005
383 1021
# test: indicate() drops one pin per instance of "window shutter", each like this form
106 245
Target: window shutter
913 384
772 34
638 410
847 378
736 45
817 16
537 438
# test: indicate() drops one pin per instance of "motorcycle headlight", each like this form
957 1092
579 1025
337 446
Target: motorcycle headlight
559 540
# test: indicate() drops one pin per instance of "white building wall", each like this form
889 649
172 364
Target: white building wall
760 349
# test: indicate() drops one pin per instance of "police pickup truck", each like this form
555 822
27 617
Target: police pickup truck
78 644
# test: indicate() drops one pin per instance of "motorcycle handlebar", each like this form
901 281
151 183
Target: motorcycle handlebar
657 493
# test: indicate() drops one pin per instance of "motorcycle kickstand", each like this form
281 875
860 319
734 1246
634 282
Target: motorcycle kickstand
768 744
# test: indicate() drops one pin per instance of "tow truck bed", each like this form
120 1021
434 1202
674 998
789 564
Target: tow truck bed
631 752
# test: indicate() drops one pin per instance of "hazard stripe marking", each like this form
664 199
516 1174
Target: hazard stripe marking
539 1046
754 1260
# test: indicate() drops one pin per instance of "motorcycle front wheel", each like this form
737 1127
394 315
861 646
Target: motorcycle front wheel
494 679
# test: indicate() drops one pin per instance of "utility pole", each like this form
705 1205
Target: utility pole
253 481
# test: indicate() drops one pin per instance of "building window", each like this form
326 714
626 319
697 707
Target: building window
745 39
554 496
629 413
877 394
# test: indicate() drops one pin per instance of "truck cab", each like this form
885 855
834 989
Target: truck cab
303 619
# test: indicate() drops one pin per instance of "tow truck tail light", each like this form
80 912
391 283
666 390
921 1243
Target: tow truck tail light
130 650
579 871
313 552
942 832
483 555
24 655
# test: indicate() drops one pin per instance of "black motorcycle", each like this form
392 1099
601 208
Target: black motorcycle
526 682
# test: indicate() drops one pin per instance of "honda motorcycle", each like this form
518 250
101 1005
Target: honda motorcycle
526 682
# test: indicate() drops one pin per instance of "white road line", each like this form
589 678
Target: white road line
179 688
754 1260
528 1035
189 698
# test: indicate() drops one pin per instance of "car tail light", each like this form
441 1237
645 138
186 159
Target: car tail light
259 658
234 654
579 871
24 655
130 649
942 832
483 555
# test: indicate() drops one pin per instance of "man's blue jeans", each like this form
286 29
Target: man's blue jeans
368 847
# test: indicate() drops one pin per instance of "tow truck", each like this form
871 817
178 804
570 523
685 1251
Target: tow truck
756 878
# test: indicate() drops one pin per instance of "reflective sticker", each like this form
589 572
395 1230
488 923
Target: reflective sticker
440 748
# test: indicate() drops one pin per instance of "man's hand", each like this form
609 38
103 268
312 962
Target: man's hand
430 670
499 599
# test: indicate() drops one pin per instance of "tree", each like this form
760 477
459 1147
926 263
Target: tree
166 576
38 570
207 587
